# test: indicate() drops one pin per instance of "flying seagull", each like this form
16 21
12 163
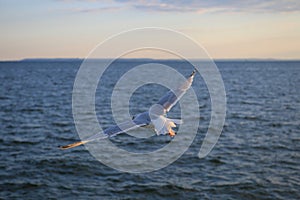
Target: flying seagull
155 117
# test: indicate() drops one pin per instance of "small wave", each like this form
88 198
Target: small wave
4 98
251 117
30 142
275 124
250 103
216 161
30 110
31 126
61 123
24 185
247 116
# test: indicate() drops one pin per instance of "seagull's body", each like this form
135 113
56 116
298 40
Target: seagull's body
155 117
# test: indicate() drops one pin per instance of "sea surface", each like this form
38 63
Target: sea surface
256 157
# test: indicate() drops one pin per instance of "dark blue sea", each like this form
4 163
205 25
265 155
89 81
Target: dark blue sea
256 157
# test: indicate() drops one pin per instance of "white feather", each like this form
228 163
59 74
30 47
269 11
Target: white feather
162 124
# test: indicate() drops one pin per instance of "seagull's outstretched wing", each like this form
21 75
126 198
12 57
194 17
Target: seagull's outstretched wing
109 132
172 97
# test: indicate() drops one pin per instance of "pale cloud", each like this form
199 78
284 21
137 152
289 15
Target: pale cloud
97 9
254 6
218 5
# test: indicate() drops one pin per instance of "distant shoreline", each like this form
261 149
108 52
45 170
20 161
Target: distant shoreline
148 59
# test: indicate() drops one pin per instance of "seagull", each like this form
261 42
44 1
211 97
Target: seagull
155 117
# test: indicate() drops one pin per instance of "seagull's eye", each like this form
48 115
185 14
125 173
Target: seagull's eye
133 117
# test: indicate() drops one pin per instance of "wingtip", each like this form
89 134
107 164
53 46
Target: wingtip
69 146
193 73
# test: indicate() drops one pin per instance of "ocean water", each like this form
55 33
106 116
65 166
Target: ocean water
256 157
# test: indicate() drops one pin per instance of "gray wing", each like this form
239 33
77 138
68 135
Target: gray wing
109 132
117 129
123 127
173 96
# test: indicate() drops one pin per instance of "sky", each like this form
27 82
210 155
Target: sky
227 29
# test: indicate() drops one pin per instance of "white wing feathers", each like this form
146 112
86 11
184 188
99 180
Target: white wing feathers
172 97
109 132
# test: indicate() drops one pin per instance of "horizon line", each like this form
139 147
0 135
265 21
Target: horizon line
163 59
